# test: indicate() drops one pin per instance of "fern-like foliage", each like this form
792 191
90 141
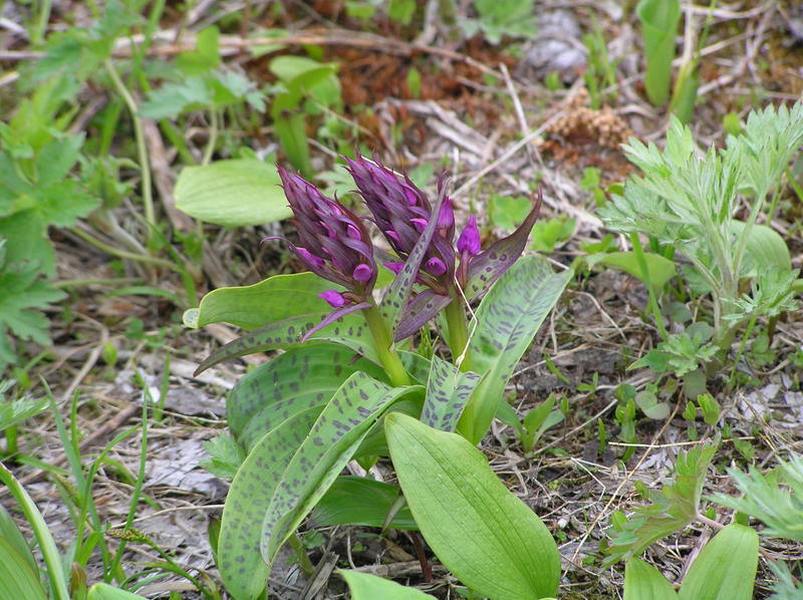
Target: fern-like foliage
775 499
671 509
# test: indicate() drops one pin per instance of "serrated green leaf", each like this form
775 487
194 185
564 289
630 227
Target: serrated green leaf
302 378
173 99
241 567
507 320
645 582
726 567
485 535
232 193
364 586
448 390
672 509
341 427
206 55
17 411
224 456
362 501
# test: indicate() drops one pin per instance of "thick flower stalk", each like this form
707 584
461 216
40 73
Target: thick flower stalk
335 245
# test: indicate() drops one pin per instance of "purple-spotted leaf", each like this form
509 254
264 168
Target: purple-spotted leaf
448 390
345 421
364 586
399 291
726 567
350 331
494 261
645 582
476 527
507 320
241 566
303 377
419 310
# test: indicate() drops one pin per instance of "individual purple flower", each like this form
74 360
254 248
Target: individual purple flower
401 211
333 243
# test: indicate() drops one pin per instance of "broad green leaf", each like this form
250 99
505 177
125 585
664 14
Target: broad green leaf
507 320
725 568
765 249
303 377
659 268
486 536
345 421
252 306
364 586
241 567
645 582
508 212
362 501
292 308
448 390
232 193
10 533
291 132
206 55
103 591
659 23
17 579
672 509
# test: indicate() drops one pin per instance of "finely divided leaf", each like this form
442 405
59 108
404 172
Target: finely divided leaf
672 509
485 535
448 390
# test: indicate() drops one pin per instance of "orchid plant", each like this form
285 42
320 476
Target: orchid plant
349 354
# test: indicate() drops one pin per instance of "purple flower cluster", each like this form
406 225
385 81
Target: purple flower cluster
335 244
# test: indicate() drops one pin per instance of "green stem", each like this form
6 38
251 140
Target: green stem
301 554
210 145
458 332
743 342
38 34
142 150
645 276
384 347
11 441
103 246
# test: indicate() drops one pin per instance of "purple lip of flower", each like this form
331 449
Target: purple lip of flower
401 211
333 242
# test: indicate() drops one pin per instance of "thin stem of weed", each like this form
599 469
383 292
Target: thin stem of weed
212 141
108 249
645 276
142 149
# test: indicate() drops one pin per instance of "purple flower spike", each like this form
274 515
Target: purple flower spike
395 266
334 243
334 298
468 244
402 211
